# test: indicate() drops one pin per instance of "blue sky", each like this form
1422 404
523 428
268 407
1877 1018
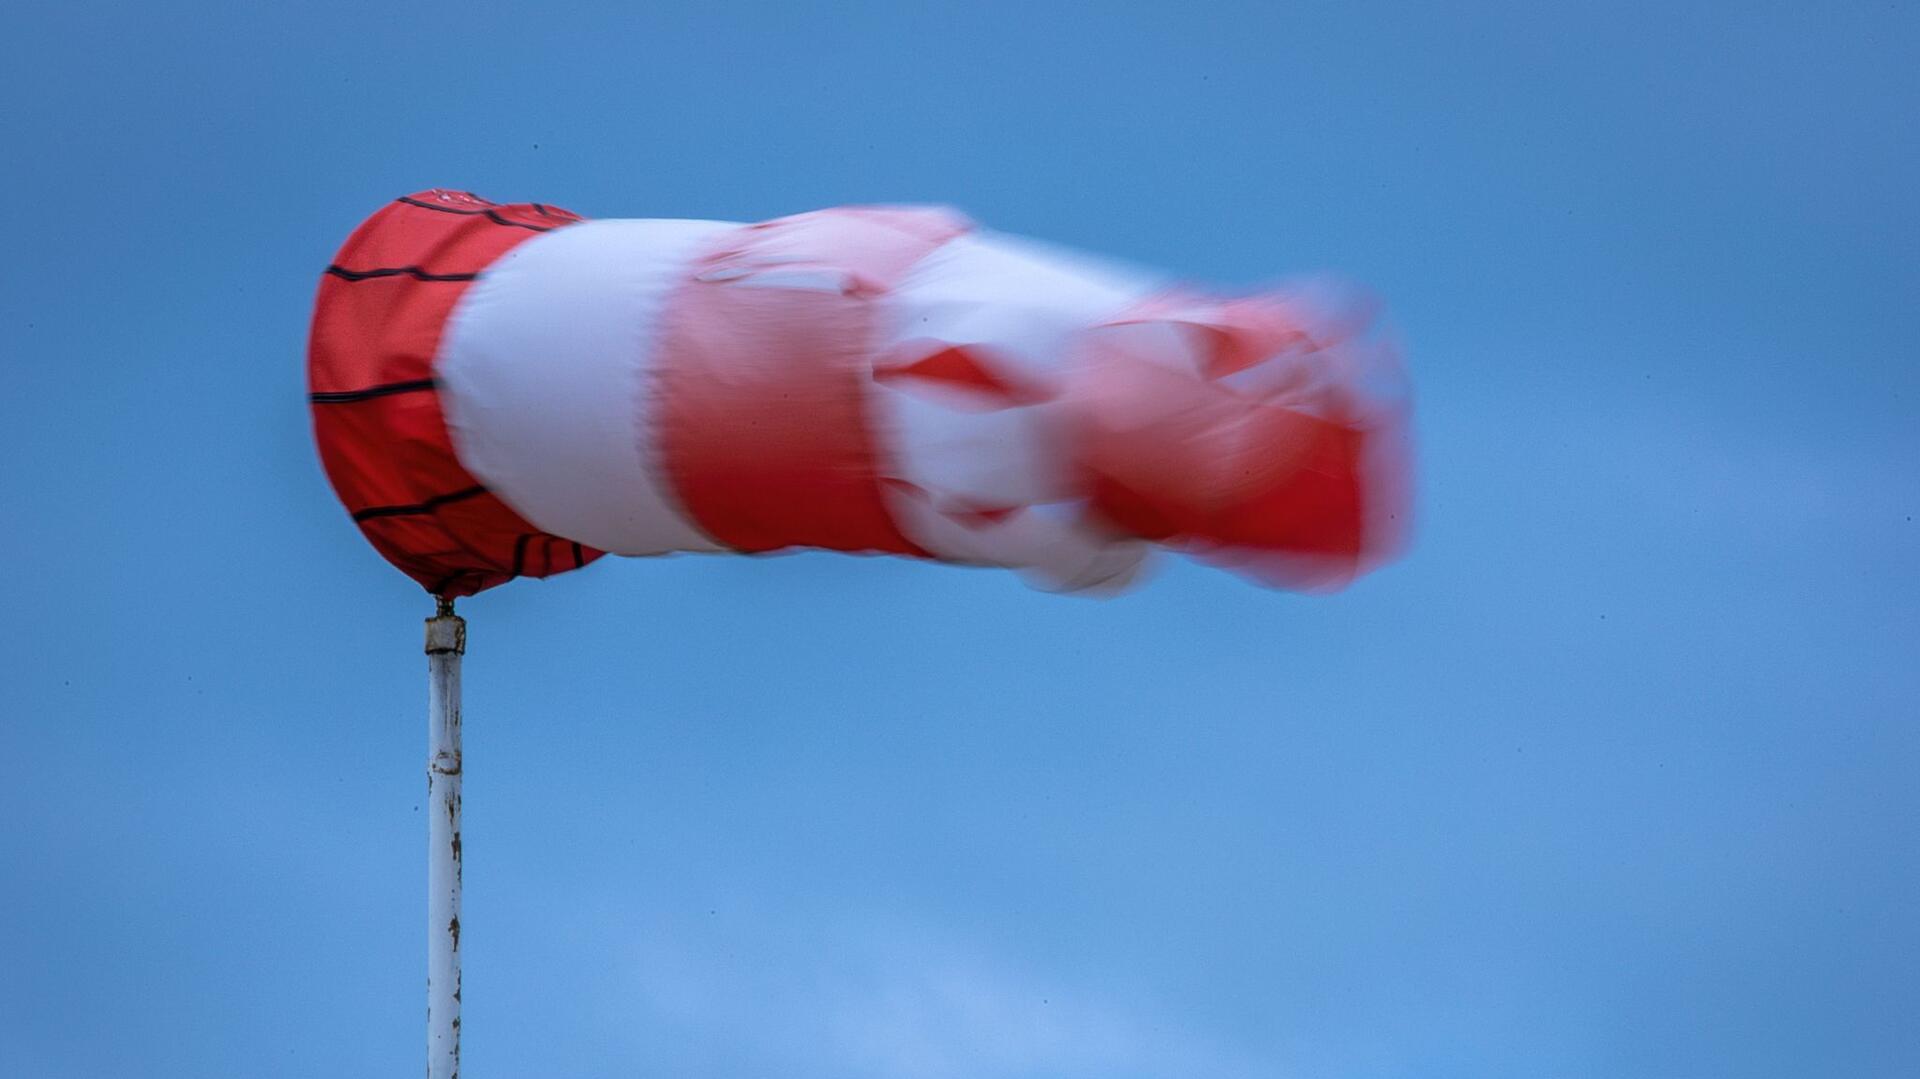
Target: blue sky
1613 776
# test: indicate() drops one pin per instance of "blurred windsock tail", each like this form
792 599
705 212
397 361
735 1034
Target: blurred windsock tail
1268 434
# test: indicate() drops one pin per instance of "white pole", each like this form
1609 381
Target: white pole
446 643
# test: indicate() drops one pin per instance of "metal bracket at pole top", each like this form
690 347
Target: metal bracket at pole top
446 631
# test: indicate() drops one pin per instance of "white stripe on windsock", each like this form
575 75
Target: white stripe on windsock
1021 299
1016 307
545 374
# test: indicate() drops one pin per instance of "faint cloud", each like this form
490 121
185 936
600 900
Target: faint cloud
877 1001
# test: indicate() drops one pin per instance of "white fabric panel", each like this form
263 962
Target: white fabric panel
1050 544
1008 457
1019 307
1021 300
544 372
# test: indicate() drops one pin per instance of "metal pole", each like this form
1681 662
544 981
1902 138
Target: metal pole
446 643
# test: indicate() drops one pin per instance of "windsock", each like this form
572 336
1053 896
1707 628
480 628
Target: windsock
504 391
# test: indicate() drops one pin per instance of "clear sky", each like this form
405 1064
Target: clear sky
1613 776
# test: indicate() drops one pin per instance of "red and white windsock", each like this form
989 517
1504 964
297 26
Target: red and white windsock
511 390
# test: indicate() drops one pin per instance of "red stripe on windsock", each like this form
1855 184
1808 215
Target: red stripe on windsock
376 411
764 367
1295 481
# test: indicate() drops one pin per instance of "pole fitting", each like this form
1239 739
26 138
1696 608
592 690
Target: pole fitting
446 631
